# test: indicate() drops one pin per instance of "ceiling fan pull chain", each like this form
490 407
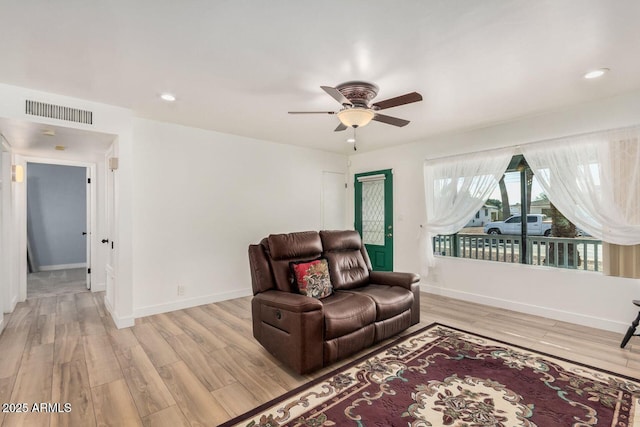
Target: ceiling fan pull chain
355 140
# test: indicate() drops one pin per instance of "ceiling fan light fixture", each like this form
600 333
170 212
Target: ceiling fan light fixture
356 116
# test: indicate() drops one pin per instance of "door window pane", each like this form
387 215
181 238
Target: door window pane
373 212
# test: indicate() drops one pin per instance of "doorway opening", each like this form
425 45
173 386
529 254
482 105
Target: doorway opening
58 229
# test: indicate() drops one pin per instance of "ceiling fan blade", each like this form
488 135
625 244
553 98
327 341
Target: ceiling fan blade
390 120
312 112
398 100
340 127
336 94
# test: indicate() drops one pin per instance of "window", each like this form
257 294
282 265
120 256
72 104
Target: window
550 239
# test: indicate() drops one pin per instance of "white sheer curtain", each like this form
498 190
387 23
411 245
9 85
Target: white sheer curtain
456 188
594 180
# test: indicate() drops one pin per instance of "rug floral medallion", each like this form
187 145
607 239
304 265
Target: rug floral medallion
442 376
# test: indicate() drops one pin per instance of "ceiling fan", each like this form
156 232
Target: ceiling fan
355 97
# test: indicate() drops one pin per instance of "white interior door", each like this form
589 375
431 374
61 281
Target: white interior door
89 226
110 267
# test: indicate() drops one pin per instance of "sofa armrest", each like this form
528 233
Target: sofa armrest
291 327
294 303
393 278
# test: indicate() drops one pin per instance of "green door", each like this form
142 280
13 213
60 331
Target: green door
374 216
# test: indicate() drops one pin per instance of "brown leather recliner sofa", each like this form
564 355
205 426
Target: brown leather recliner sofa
306 333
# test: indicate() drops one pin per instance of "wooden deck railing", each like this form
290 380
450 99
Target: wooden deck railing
576 253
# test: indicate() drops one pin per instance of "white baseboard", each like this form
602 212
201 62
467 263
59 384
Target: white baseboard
61 266
120 321
13 303
123 322
98 287
565 316
189 302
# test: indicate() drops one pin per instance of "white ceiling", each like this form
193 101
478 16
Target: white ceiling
238 66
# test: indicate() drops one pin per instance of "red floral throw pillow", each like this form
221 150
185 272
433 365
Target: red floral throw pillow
312 278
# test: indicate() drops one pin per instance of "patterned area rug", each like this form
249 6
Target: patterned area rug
440 376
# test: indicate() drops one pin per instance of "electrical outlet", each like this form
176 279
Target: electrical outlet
180 290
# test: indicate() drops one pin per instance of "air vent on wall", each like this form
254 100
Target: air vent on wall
59 112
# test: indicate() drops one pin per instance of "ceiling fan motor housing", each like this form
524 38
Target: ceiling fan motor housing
358 93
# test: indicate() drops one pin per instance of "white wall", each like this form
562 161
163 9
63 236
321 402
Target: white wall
586 298
201 197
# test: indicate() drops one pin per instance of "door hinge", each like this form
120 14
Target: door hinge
88 180
88 271
345 185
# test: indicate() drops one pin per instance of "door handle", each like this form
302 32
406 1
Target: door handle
84 233
105 240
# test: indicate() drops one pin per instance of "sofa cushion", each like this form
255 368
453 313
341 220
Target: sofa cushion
312 278
345 312
290 246
284 248
347 269
347 265
340 240
390 300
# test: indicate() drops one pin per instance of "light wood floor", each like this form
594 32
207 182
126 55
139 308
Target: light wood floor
201 366
56 282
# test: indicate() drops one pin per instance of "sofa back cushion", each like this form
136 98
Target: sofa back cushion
348 263
292 247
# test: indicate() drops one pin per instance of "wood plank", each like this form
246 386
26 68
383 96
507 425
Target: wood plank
251 376
169 417
165 325
236 399
12 343
21 318
84 300
42 330
71 385
159 351
193 399
90 321
149 393
114 405
68 349
102 364
67 329
204 366
6 386
196 331
122 338
33 385
98 300
47 305
66 310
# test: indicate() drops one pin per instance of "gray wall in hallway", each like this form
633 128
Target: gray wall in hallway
56 214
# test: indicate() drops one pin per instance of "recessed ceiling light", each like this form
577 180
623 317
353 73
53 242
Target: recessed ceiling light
168 97
351 140
596 73
49 132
